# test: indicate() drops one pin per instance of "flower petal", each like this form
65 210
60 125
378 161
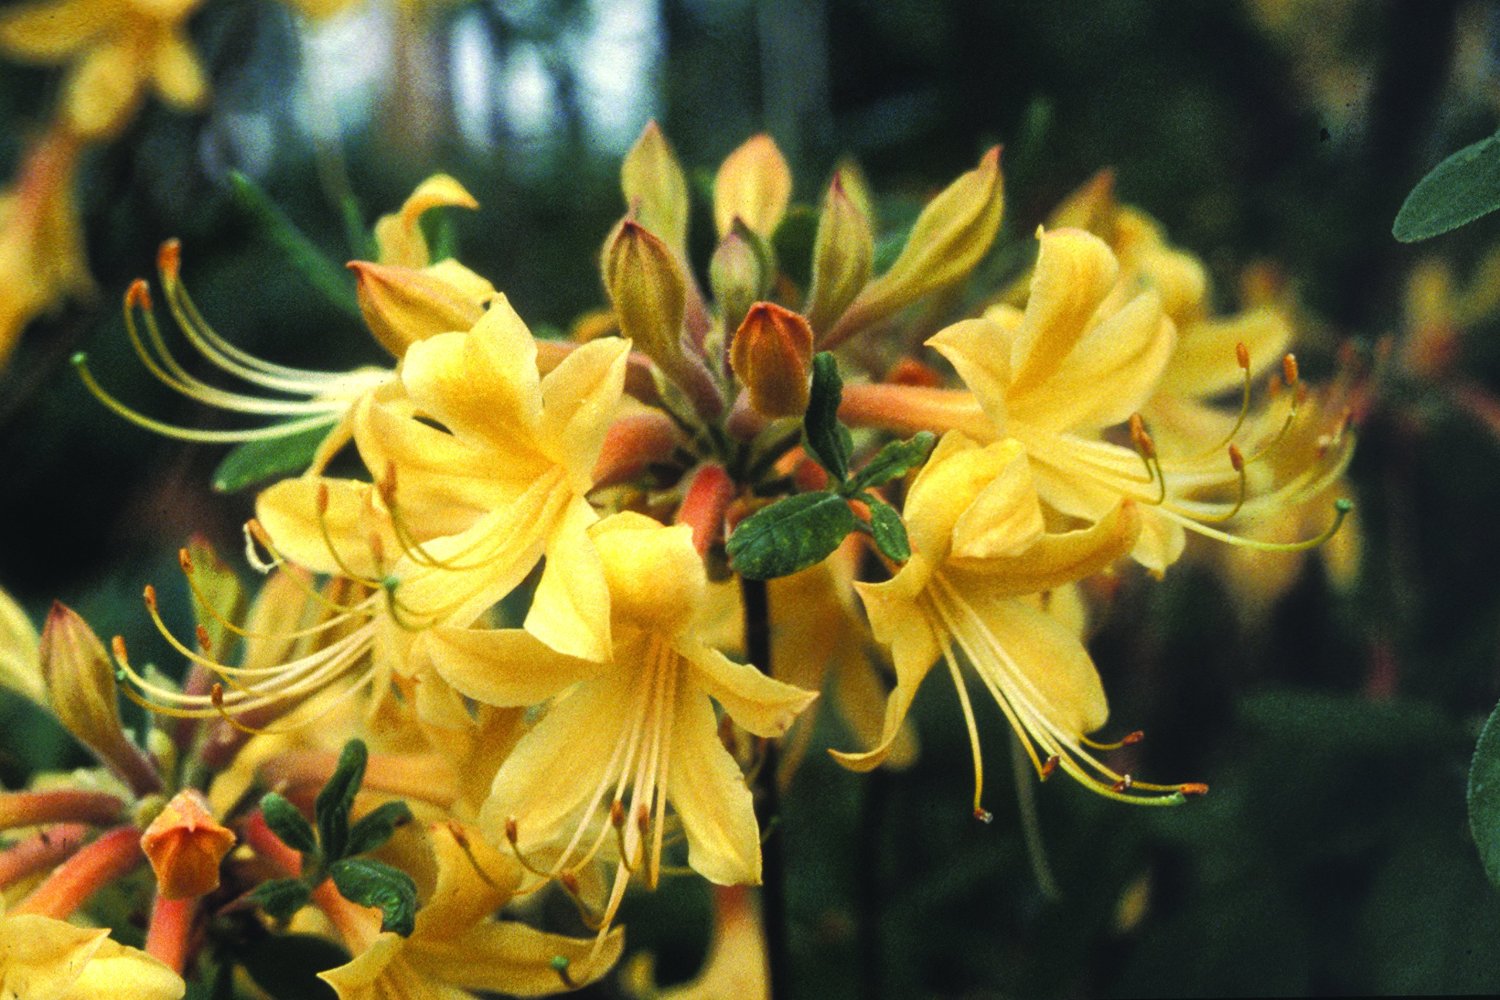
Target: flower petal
20 661
764 706
570 610
1074 273
42 958
511 958
898 621
1056 559
579 398
710 796
979 350
289 513
505 667
1206 361
120 973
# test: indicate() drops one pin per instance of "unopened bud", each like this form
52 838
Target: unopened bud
655 188
1092 207
740 273
953 232
403 305
843 257
772 355
185 845
81 690
754 184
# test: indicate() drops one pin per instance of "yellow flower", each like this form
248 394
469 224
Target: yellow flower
458 948
116 51
736 963
41 245
980 549
622 740
42 958
404 297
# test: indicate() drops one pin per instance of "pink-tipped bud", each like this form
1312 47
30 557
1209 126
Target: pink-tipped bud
772 355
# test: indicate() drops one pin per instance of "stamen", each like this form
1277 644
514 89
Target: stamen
512 837
1049 766
559 965
461 838
1129 740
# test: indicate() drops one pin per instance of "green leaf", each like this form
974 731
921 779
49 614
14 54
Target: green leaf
1457 191
790 535
287 965
896 459
256 461
1484 796
281 898
333 803
888 530
287 822
827 440
361 240
328 278
377 827
373 883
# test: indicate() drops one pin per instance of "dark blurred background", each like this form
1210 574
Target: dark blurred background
1333 855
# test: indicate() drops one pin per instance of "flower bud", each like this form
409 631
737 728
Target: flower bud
399 235
19 668
754 184
655 188
648 289
740 273
403 305
185 845
772 355
81 691
953 232
843 257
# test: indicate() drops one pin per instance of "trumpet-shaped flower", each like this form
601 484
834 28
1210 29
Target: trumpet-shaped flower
116 51
622 740
42 958
980 551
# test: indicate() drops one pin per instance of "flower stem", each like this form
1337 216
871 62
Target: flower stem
71 884
39 851
169 937
757 603
71 805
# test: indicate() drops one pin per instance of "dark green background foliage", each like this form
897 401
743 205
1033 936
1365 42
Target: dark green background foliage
1332 855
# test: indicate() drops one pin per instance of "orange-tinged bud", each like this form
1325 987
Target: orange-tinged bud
953 232
185 845
843 257
655 188
740 273
81 691
1092 207
403 305
772 355
754 184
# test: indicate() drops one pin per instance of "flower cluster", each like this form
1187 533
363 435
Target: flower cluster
576 589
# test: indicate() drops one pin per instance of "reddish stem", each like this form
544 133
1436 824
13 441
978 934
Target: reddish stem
170 935
70 885
40 851
63 805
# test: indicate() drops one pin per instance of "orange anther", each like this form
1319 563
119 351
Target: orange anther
1242 355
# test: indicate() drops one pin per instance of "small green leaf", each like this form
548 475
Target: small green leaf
373 883
256 461
334 801
361 240
286 821
281 898
888 530
377 827
790 535
896 459
323 274
827 440
1484 796
1457 191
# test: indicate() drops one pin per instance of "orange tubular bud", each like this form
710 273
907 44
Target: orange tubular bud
843 257
81 691
772 355
403 305
754 184
655 188
705 505
185 845
953 232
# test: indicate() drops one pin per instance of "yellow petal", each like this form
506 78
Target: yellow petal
474 880
579 399
710 797
50 31
20 664
1074 272
570 609
511 958
178 76
482 385
507 667
764 706
655 188
399 235
1055 559
1205 362
1005 517
956 475
898 622
383 971
656 577
102 90
41 958
120 973
335 541
979 351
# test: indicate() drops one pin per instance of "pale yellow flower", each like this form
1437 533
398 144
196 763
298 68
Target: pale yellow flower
116 51
42 958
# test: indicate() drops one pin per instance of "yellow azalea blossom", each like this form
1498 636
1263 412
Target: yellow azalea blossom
458 949
116 51
622 740
42 958
980 550
1073 365
41 242
402 302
